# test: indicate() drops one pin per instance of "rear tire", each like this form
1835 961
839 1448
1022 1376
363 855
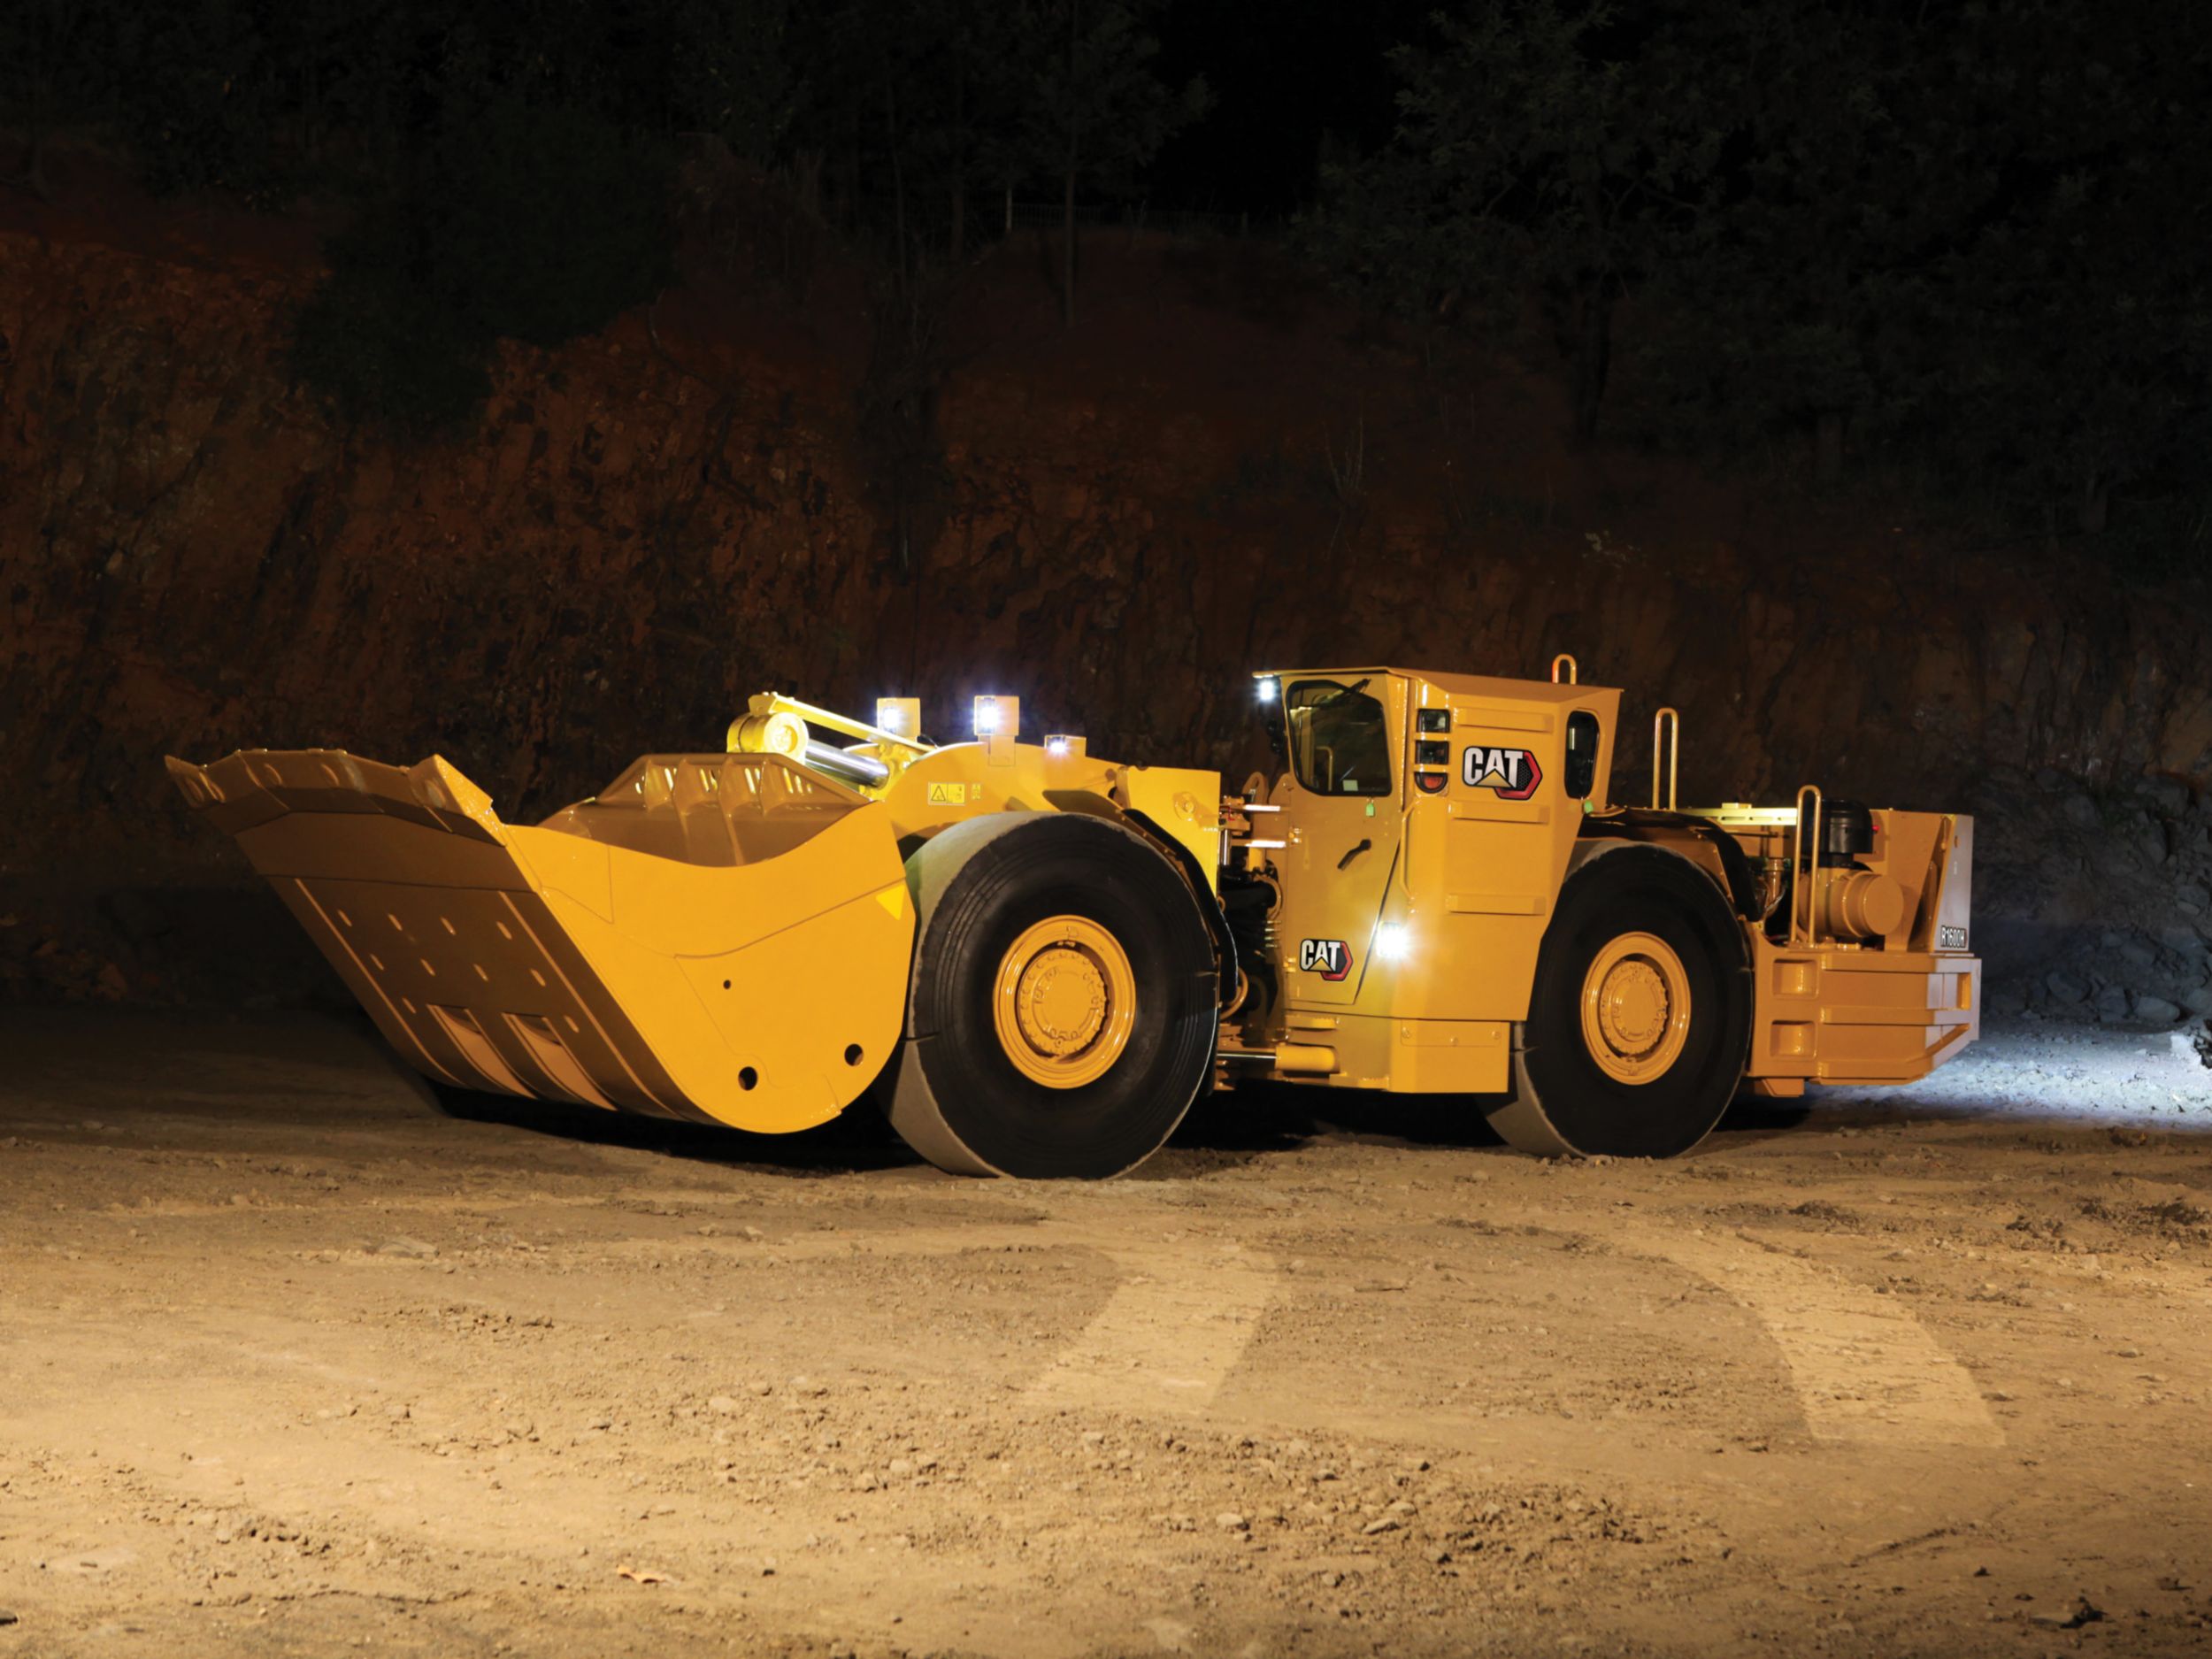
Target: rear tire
1639 1019
1087 1080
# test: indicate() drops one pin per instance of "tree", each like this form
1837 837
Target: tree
51 54
2079 331
523 206
1958 234
972 131
727 72
1795 302
873 109
1097 109
1560 143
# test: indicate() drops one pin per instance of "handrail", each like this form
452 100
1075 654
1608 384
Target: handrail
1800 872
1569 661
1670 719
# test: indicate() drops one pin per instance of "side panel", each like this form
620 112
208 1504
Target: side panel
1486 856
749 985
1450 1057
1954 908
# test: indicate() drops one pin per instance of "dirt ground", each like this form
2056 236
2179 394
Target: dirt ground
294 1361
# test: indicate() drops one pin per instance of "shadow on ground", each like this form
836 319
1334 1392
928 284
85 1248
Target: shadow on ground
1226 1129
857 1138
2039 1079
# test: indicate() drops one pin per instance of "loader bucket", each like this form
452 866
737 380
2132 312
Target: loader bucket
723 938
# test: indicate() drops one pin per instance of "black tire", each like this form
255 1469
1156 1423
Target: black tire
1564 1103
958 1099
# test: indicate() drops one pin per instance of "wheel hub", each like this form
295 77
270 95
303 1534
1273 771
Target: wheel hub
1065 1001
1635 1008
1632 1006
1060 1001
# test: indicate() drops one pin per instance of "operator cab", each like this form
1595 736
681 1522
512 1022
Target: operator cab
1410 804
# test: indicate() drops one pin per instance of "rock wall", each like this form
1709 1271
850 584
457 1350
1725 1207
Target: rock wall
1213 472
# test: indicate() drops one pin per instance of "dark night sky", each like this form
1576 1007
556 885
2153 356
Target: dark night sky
1282 74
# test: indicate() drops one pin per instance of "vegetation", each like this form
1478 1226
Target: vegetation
1967 238
526 222
509 168
1099 112
1961 242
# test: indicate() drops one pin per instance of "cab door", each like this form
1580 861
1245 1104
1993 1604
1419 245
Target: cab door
1343 823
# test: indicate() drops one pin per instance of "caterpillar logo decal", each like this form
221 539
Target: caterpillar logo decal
1512 773
1330 958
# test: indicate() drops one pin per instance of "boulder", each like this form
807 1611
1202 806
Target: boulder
2065 988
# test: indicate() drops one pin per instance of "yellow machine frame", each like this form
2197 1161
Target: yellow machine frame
732 937
1443 934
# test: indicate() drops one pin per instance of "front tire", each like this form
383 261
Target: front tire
1640 1019
1064 999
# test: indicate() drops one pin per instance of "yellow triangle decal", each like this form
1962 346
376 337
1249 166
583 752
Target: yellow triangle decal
894 899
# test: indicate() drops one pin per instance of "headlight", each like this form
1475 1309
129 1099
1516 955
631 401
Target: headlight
1394 942
1265 688
986 716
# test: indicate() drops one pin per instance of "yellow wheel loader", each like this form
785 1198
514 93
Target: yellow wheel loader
1037 959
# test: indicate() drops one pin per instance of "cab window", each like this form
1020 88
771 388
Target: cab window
1339 738
1582 755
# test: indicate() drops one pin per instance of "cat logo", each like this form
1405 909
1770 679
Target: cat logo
1512 773
954 794
1330 958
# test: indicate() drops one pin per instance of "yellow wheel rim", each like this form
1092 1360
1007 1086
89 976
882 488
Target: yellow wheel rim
1064 1002
1635 1008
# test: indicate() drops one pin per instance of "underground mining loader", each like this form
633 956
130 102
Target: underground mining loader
1035 959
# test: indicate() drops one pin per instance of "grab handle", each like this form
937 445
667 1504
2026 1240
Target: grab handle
1803 870
1671 721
